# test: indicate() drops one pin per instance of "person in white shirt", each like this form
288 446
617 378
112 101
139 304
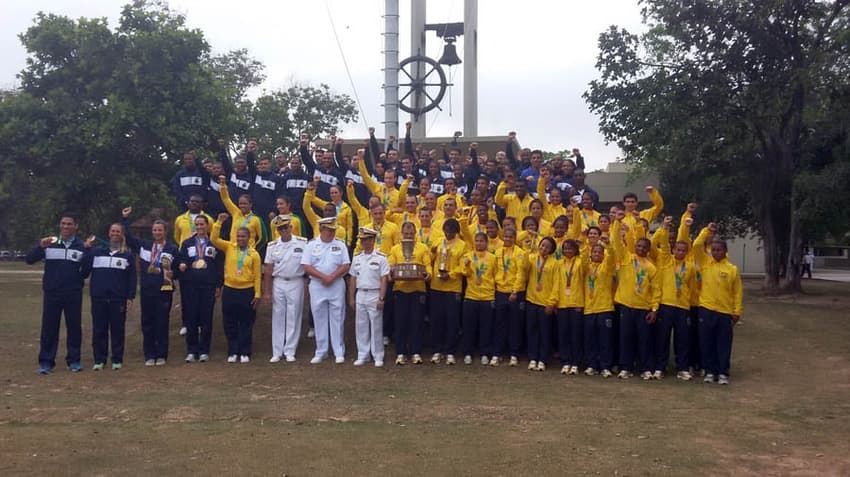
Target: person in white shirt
808 263
326 262
370 270
284 274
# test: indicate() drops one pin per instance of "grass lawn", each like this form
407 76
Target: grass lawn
787 411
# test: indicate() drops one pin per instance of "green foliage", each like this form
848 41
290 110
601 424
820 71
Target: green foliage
734 104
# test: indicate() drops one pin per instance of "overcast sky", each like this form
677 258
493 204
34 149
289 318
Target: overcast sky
535 57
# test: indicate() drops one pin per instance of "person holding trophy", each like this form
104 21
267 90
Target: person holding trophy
157 287
410 262
446 288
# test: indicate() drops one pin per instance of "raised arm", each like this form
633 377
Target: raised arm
338 153
684 233
133 242
307 207
232 209
355 204
509 151
500 199
215 234
617 245
657 204
408 143
699 245
579 158
370 183
306 157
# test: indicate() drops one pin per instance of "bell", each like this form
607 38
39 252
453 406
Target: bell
449 54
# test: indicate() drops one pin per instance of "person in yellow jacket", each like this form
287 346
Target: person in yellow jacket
344 214
329 210
445 295
589 216
684 235
451 192
630 203
386 193
509 315
242 216
184 224
479 301
530 236
599 310
570 308
639 294
535 209
517 202
494 242
426 233
243 270
409 298
678 279
553 205
539 278
720 304
409 210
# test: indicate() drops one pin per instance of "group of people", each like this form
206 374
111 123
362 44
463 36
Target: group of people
467 255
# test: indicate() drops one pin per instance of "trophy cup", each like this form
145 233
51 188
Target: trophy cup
443 259
408 270
167 282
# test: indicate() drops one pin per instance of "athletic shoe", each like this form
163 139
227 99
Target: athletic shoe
590 372
417 359
435 358
565 370
45 370
290 359
232 358
190 358
116 366
467 359
450 359
275 359
541 366
316 360
684 376
97 367
574 370
723 379
183 331
624 374
203 358
75 367
532 365
606 373
494 361
339 360
484 361
514 361
658 374
646 375
359 362
160 361
709 378
400 360
244 359
379 364
311 333
150 362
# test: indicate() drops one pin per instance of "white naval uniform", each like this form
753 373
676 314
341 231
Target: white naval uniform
368 269
327 303
287 293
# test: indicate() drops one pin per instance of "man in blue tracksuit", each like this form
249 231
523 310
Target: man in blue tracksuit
63 293
189 180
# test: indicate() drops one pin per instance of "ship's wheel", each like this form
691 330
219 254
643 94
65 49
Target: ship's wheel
422 85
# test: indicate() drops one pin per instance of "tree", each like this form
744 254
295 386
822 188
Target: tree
735 103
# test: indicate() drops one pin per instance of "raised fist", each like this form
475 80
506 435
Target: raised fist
339 141
712 227
689 221
221 179
349 183
620 214
473 146
512 134
126 212
408 125
223 216
649 189
371 131
692 207
252 146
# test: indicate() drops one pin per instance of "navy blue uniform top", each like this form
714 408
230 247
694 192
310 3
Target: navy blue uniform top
266 188
192 250
63 265
148 254
294 185
214 204
113 275
327 177
188 182
238 183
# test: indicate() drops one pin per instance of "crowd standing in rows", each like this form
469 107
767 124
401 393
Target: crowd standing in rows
504 258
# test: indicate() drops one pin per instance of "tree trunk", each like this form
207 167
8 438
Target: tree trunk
771 253
791 281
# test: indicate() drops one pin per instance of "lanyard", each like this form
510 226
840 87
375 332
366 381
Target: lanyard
541 264
247 219
156 251
506 261
240 262
200 247
191 222
680 277
640 273
479 269
591 277
570 273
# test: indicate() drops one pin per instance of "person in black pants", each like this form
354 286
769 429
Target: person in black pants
200 267
63 293
156 260
113 288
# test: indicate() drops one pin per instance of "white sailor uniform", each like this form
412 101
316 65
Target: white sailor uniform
287 294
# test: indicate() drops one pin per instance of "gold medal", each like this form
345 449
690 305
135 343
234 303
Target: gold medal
153 270
569 291
199 264
539 287
239 272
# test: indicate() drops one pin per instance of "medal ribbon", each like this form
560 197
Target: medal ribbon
640 273
680 277
540 265
156 251
191 222
506 262
200 248
591 277
479 269
247 219
570 273
240 262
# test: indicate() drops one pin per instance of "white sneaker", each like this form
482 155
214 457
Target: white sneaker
150 362
624 374
541 366
379 364
160 361
494 361
590 372
646 375
574 370
450 359
532 365
435 358
565 370
190 358
484 361
684 375
658 374
311 333
514 361
204 358
244 359
606 373
467 359
232 358
316 360
417 359
723 379
183 331
709 378
359 362
290 359
339 360
275 359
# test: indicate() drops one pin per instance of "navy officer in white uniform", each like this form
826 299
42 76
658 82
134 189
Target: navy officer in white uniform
326 262
370 270
284 288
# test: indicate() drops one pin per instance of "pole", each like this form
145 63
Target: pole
391 68
417 47
470 68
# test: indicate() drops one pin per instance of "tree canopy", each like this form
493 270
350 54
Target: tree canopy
742 106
